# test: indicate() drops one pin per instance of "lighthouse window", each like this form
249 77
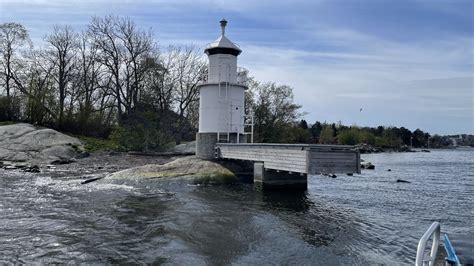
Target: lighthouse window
236 108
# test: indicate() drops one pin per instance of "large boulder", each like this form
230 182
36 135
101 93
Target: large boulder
201 171
26 143
187 147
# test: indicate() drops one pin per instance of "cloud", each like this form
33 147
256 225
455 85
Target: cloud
396 83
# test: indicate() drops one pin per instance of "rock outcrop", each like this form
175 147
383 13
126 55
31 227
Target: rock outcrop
187 147
366 148
201 171
367 165
26 143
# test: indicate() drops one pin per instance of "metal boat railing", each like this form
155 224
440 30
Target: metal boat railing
423 258
452 258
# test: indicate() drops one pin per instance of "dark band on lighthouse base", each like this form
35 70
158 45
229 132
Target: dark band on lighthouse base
220 50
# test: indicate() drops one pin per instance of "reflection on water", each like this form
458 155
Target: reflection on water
364 219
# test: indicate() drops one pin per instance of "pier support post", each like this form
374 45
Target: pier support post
205 145
271 179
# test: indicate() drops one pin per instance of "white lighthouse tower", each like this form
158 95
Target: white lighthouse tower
222 97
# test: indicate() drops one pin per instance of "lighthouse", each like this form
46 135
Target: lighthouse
222 97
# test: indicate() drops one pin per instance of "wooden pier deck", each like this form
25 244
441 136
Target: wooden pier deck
295 158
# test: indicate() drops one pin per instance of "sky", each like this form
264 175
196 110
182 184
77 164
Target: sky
403 63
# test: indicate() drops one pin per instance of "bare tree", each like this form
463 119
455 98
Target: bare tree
186 70
123 50
13 36
62 53
88 79
165 90
154 89
138 46
36 84
110 52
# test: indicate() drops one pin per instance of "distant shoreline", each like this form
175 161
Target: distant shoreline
368 149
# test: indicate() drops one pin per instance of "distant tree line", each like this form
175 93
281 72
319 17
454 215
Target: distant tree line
278 120
383 137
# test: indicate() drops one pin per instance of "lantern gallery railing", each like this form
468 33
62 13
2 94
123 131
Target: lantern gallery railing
242 77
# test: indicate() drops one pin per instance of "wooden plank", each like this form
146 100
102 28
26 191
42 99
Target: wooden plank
276 152
334 154
353 159
268 159
340 161
287 153
280 154
333 168
288 168
297 157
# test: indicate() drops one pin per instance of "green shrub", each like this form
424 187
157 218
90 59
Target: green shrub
141 138
327 135
348 136
6 123
9 108
92 144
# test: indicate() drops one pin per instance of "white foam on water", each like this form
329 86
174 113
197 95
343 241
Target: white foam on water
75 185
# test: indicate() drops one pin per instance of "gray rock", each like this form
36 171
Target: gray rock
61 152
32 169
367 165
201 171
366 148
402 181
26 143
188 147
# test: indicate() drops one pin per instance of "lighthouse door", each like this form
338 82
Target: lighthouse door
236 110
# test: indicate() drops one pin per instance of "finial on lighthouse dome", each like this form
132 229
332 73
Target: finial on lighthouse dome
222 45
223 23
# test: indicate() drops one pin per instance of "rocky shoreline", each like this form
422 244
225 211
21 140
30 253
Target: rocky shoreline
26 148
366 148
23 144
42 150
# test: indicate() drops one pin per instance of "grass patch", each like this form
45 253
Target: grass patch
92 144
6 123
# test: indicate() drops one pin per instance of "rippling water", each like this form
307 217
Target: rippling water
360 219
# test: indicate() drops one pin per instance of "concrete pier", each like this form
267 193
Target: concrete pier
206 145
274 180
288 165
